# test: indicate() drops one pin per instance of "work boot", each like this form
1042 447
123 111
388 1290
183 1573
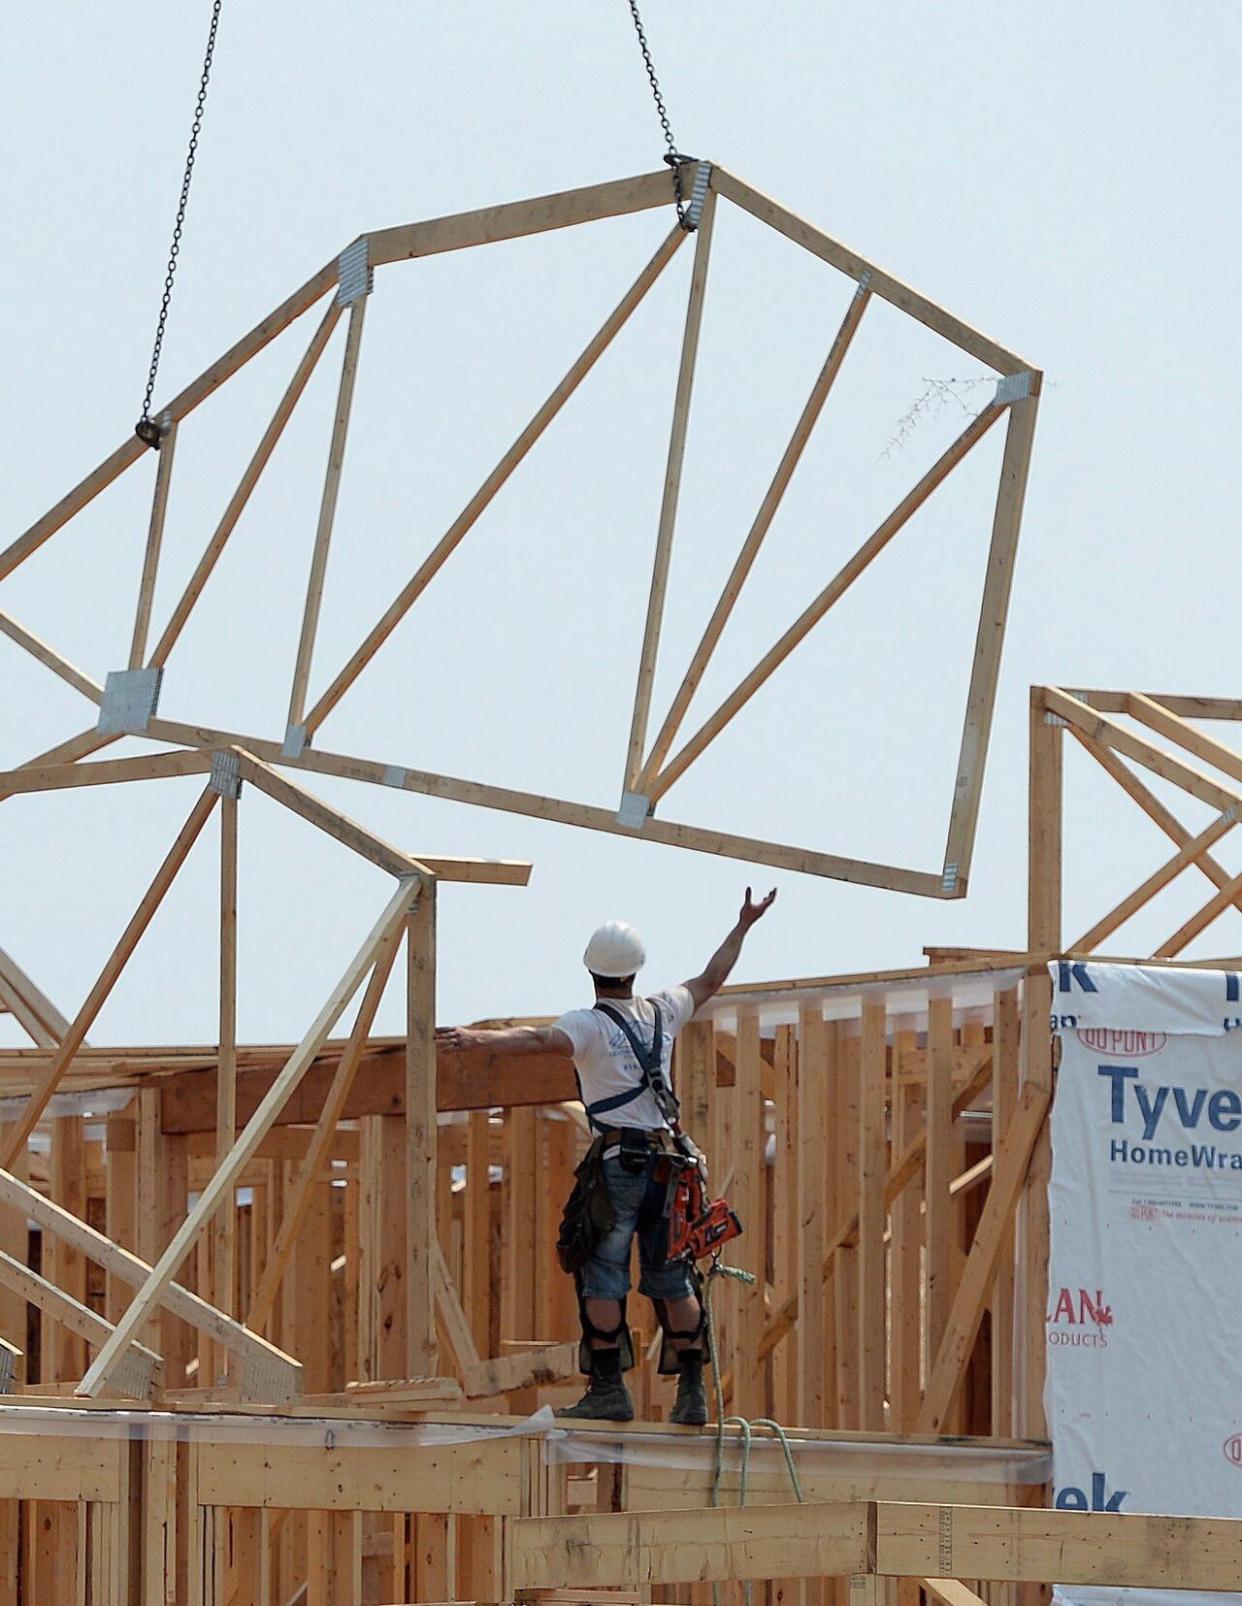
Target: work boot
606 1399
690 1408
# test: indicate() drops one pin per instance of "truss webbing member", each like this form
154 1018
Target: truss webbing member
642 1177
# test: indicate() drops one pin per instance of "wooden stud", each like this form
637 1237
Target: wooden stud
1201 919
672 491
33 1111
856 267
327 819
150 767
970 1300
420 1132
132 449
155 537
1108 733
245 487
873 1290
814 1372
223 1228
1156 882
164 1271
745 559
50 658
905 1391
750 1199
718 843
831 594
319 1148
1006 1048
1152 807
327 512
483 497
993 613
517 219
940 1172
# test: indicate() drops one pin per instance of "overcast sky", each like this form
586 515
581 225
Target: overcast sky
1063 177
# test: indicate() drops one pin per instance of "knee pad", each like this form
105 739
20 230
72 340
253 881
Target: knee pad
618 1336
670 1359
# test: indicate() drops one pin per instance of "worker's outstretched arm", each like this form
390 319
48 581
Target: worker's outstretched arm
504 1040
716 971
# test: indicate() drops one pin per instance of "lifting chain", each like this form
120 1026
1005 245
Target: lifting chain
674 157
146 429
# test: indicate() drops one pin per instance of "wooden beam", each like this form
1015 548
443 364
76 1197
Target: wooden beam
1172 726
1201 919
1156 882
105 772
630 1549
538 1367
132 449
672 491
33 1010
483 497
50 658
320 1147
473 1081
1151 806
141 1369
1108 733
245 487
745 560
832 593
256 1128
699 839
970 1301
68 752
18 1134
882 284
327 511
327 819
517 219
990 639
1070 1547
155 538
128 1268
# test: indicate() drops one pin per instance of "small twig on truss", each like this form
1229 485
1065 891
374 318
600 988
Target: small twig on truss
939 394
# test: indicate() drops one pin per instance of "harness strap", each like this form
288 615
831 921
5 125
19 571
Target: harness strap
650 1062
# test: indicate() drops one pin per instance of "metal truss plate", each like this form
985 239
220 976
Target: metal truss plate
633 811
698 195
354 278
394 775
226 774
294 744
948 881
1012 388
130 699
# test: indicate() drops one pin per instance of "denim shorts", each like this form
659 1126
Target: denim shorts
639 1205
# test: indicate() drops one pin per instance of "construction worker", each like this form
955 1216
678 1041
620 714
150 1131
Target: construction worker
622 1049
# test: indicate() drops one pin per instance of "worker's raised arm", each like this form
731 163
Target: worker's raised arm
504 1040
716 971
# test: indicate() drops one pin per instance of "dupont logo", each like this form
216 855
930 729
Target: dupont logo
1121 1045
1233 1449
1080 1319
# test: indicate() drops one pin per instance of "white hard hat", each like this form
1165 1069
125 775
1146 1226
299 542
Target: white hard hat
615 950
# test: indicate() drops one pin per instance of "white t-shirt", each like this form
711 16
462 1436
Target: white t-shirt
606 1063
